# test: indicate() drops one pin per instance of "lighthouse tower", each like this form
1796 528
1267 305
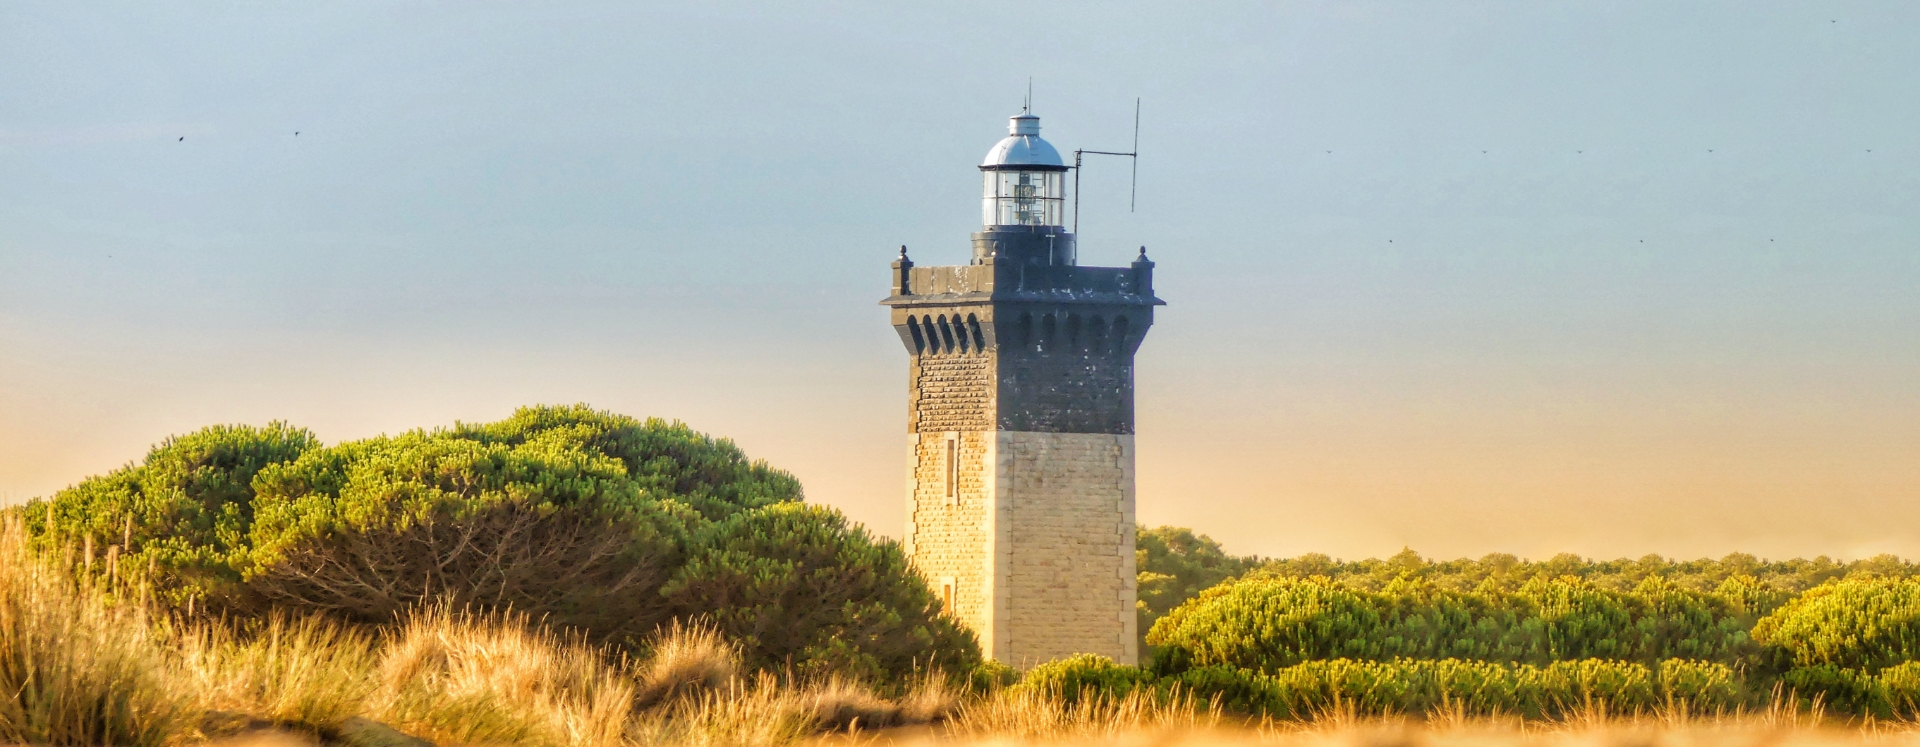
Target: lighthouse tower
1020 493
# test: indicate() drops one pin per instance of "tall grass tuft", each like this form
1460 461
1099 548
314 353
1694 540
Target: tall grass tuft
76 668
839 704
1042 714
460 678
932 698
309 674
760 712
683 660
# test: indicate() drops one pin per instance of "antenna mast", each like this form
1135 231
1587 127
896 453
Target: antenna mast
1133 187
1133 190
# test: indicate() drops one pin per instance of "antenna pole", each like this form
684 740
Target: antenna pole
1076 191
1133 190
1134 154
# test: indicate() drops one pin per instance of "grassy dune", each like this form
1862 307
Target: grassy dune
84 661
87 663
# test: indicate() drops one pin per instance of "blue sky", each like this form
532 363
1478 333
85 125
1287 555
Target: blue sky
1605 277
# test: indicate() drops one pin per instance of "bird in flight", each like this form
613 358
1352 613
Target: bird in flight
296 133
183 138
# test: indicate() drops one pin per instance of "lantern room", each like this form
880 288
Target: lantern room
1025 178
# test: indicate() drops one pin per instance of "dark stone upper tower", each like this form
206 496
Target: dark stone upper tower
1021 420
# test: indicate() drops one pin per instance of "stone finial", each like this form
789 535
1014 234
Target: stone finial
1143 274
903 274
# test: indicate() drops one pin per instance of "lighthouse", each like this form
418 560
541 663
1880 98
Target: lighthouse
1020 483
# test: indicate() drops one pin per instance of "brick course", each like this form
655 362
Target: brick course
952 392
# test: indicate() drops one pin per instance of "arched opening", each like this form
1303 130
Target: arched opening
1097 336
946 334
1073 331
1023 331
919 340
979 339
1047 332
1120 331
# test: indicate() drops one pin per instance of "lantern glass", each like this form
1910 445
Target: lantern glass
1024 198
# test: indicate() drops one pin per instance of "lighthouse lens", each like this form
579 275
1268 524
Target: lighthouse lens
1023 198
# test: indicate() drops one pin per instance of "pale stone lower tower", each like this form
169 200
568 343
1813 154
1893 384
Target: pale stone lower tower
1021 485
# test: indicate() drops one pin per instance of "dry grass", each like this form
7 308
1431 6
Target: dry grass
683 660
79 670
83 663
87 667
1037 715
932 699
453 678
306 674
753 713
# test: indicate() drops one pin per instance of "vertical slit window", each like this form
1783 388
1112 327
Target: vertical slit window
953 470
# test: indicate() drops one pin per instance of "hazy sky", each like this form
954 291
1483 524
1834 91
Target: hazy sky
1603 277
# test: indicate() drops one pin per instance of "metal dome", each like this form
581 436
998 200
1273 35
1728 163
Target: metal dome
1022 148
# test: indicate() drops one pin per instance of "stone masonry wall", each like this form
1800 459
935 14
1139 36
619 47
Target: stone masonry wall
1066 508
948 537
952 392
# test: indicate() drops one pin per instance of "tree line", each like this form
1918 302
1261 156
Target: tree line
1280 631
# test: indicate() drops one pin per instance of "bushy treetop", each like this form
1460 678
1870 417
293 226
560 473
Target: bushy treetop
1865 624
793 580
588 520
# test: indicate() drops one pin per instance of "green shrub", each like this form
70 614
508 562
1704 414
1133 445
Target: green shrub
1861 624
662 460
1901 685
577 517
1085 676
1407 686
1234 690
1772 581
797 587
369 529
1700 686
1265 623
1612 686
1836 688
1478 688
1175 565
990 675
185 509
